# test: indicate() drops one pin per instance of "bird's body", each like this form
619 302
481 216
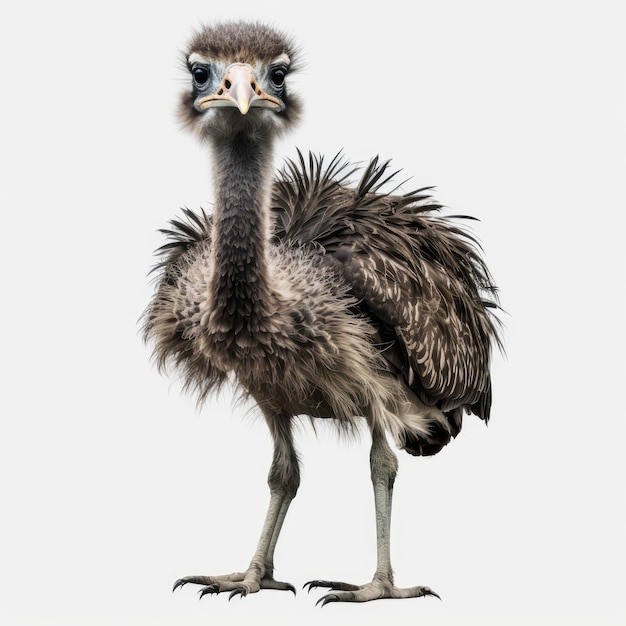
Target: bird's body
316 298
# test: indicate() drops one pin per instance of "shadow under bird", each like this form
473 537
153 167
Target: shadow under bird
316 295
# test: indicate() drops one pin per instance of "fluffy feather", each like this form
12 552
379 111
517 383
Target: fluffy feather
417 279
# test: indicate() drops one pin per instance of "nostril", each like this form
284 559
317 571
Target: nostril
220 91
227 84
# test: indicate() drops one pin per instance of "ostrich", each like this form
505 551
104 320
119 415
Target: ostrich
317 297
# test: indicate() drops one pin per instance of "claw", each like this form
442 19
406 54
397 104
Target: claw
331 597
242 591
179 583
214 588
291 588
313 584
429 592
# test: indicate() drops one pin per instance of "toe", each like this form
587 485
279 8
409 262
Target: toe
267 582
196 580
331 584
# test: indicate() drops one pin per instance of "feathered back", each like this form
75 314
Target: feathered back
416 273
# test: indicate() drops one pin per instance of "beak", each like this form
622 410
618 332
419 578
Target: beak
239 89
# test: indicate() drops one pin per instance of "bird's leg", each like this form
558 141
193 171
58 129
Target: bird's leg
283 480
383 465
269 556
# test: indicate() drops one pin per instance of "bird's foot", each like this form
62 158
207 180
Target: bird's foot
238 584
375 590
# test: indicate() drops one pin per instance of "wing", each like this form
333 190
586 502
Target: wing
181 237
169 318
419 276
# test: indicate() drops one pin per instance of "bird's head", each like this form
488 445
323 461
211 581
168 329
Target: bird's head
238 82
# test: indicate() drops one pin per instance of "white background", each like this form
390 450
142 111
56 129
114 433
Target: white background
113 484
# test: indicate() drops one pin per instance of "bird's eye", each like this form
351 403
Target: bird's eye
200 75
277 76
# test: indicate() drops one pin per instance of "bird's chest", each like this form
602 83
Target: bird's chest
243 334
273 357
291 344
243 345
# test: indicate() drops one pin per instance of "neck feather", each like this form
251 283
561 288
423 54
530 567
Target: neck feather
239 285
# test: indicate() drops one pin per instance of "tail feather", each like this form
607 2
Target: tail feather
438 436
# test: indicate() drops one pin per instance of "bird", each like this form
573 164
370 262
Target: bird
319 291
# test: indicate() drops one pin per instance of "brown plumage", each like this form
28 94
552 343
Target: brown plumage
316 297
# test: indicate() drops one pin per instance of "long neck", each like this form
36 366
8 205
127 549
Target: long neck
239 285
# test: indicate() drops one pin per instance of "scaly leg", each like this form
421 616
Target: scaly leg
384 465
283 480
